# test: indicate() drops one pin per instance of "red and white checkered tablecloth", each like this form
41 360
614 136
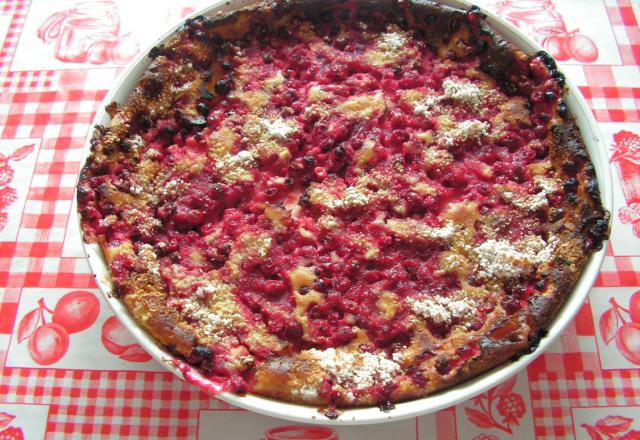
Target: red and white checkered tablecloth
98 384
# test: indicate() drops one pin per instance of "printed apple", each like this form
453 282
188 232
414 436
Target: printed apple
48 344
628 341
76 311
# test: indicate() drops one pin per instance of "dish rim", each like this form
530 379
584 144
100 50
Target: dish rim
596 147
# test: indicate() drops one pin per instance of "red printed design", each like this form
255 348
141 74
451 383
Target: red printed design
8 432
486 437
89 32
48 342
540 19
612 427
626 155
625 331
499 401
8 195
294 432
117 340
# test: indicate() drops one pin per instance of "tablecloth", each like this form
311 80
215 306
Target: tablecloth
57 61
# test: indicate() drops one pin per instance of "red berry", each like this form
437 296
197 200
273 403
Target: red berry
77 311
628 341
6 175
634 307
8 195
12 433
48 344
511 405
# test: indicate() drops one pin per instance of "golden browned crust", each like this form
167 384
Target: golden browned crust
428 364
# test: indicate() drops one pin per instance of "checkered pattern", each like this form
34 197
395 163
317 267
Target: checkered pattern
57 107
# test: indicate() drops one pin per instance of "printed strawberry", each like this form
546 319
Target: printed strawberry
12 433
511 406
3 160
6 175
8 195
4 218
627 146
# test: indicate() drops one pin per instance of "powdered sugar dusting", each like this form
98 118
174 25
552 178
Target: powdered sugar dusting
462 92
441 309
278 128
469 129
356 370
503 260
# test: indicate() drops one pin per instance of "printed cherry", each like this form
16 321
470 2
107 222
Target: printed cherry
76 311
581 48
48 344
98 53
628 341
556 47
634 307
123 50
117 340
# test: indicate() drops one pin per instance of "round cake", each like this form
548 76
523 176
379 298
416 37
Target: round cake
343 203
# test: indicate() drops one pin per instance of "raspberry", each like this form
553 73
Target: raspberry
6 175
511 405
3 219
485 437
8 195
12 433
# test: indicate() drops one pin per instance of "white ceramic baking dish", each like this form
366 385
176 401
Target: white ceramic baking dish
459 393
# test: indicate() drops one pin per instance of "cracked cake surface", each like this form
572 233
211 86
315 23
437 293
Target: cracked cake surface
343 203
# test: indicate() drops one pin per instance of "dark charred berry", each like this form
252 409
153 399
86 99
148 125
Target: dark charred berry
283 33
223 86
266 58
200 35
534 339
309 161
559 77
510 304
570 184
547 59
556 214
154 52
203 108
206 95
443 366
549 95
201 352
386 405
544 117
339 152
226 65
562 109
